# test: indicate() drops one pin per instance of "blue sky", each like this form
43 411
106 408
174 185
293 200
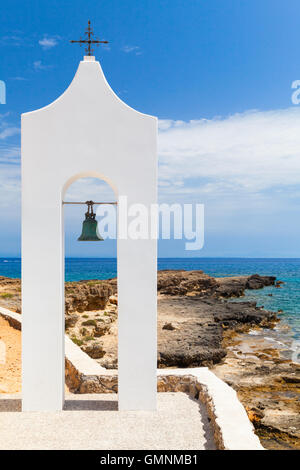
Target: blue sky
217 74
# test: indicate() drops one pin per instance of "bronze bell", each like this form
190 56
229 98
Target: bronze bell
90 226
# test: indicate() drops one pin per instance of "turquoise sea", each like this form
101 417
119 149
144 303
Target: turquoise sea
288 270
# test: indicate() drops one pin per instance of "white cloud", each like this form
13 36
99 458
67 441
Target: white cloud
250 159
20 79
38 65
135 49
48 42
10 179
16 39
10 186
249 152
9 164
86 189
245 168
8 132
6 129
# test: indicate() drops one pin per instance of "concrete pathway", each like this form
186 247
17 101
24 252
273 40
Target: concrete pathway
93 422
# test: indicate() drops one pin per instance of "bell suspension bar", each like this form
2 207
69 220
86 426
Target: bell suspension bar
89 203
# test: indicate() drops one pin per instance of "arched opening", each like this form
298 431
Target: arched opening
91 270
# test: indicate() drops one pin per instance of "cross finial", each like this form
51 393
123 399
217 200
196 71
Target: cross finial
89 32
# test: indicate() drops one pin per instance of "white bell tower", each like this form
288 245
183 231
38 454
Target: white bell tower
87 131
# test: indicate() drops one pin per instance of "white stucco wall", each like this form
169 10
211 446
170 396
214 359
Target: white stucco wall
88 131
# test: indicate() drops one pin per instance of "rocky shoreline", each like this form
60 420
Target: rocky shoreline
266 384
193 314
199 324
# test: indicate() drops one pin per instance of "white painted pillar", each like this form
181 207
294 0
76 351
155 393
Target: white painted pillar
137 343
43 326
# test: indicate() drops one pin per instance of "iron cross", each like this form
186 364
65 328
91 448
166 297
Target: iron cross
89 41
